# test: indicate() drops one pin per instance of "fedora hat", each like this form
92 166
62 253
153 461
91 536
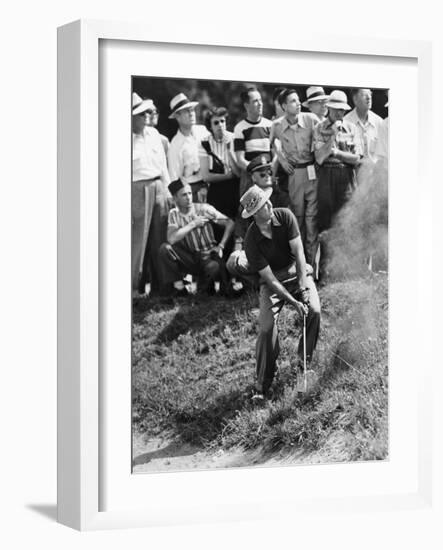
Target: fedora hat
338 100
254 198
140 105
314 93
180 102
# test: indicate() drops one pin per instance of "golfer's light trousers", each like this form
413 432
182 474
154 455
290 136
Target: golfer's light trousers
267 346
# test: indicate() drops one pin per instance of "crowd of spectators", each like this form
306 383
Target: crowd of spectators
187 222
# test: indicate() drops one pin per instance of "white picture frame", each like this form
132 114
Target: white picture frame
80 413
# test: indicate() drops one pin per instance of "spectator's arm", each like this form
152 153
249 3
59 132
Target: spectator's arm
241 161
175 164
323 149
228 224
176 234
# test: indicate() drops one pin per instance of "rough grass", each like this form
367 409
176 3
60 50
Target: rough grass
193 372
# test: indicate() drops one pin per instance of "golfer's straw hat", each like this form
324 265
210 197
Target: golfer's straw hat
180 102
254 198
139 105
314 93
338 100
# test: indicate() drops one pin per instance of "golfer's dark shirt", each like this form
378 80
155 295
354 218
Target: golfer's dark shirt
274 252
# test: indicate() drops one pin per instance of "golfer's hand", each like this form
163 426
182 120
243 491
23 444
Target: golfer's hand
199 221
304 295
302 309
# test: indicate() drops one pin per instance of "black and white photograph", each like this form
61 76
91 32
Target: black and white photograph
259 273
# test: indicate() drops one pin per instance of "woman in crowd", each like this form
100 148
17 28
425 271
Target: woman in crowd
218 164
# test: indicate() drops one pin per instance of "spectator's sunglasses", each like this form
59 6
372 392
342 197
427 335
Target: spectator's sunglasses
264 173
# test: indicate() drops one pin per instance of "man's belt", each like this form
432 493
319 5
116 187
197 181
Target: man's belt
301 164
336 165
147 180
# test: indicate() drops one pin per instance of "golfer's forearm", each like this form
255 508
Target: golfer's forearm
300 264
281 291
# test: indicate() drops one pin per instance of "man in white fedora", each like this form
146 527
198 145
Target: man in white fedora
316 102
274 251
368 128
150 179
337 153
183 153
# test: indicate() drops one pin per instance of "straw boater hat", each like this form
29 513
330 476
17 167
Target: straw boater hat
139 105
338 100
254 198
179 102
314 93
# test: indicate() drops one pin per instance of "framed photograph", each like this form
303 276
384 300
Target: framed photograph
167 411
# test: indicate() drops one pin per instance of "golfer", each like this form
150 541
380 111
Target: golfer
274 251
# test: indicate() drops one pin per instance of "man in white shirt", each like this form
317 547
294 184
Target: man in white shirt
368 126
292 137
153 121
150 208
183 153
382 147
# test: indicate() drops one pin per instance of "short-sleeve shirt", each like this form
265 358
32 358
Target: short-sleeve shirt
381 149
345 140
367 133
183 155
253 137
296 139
276 252
200 239
148 156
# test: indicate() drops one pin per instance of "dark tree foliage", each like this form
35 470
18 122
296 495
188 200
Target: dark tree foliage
226 93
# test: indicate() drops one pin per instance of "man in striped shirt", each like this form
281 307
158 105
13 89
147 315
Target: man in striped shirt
251 135
191 246
251 139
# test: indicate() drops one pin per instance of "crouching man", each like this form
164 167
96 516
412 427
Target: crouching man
191 246
274 251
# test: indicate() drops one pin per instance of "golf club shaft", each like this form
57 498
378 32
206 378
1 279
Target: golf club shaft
304 351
